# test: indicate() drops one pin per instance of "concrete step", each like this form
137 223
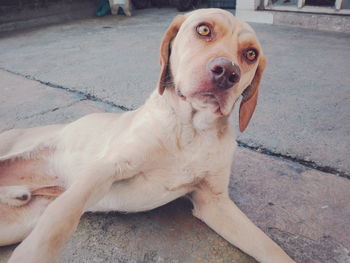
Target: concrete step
24 14
337 23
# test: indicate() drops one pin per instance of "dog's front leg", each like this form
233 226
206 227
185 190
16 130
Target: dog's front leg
61 217
224 217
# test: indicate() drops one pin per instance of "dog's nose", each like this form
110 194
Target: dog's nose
224 72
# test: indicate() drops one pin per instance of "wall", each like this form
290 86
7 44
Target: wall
21 14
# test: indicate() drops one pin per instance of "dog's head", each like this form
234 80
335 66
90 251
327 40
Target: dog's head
210 58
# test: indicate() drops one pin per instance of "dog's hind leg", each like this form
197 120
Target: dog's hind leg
15 195
13 227
19 195
27 186
20 208
16 222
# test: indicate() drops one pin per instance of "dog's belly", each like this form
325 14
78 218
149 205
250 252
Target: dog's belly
138 194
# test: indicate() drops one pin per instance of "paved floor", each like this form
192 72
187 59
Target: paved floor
291 175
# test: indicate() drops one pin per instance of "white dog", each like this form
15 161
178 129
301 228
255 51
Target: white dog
179 142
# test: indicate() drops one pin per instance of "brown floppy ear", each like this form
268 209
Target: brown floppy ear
250 96
165 51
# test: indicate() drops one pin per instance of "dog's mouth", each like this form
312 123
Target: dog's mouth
211 99
205 98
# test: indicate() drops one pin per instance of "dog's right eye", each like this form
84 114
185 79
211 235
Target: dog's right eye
203 30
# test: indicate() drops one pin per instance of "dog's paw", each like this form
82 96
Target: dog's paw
16 195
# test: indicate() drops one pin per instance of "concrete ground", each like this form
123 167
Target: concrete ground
290 175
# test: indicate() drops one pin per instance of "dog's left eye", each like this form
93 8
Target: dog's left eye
203 30
251 54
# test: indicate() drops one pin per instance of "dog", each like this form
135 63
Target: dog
179 143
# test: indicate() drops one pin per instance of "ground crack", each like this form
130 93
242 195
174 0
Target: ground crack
82 95
259 149
307 163
51 110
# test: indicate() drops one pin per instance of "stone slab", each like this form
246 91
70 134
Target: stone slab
61 116
22 98
303 209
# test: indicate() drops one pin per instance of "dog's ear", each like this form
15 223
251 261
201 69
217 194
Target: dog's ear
250 96
165 51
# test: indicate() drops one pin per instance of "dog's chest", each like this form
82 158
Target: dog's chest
171 177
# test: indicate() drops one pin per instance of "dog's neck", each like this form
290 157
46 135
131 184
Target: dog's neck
188 121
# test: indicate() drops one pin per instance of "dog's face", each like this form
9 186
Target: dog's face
212 58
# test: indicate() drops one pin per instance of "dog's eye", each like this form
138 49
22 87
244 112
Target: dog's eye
251 55
203 30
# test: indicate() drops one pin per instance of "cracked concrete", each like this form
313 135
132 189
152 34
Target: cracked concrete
15 104
286 197
307 163
89 68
